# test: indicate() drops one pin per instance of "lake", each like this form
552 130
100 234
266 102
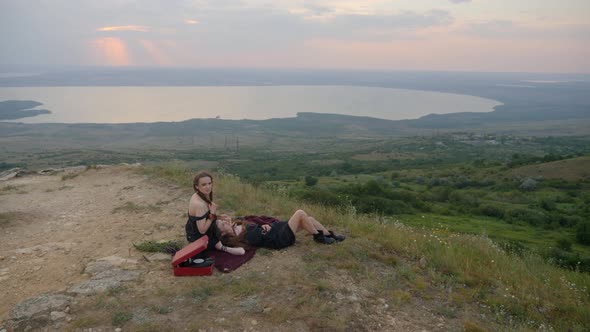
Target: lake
173 103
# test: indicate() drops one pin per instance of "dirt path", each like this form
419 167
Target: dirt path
55 227
52 226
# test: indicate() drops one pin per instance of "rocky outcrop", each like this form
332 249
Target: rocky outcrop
11 173
107 272
39 311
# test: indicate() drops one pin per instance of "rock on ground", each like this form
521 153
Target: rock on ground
37 311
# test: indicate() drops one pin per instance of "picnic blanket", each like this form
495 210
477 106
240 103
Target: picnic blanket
225 262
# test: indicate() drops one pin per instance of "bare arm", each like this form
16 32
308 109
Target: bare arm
234 251
199 208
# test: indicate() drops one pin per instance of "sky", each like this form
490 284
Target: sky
442 35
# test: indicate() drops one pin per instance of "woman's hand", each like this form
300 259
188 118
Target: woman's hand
266 228
240 251
212 207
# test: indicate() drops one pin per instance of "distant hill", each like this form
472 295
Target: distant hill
569 169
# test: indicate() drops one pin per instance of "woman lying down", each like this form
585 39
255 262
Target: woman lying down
276 235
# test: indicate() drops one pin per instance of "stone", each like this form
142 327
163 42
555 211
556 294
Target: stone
118 329
104 280
423 263
34 313
94 286
41 304
57 315
147 233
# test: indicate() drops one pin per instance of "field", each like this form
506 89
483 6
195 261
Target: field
457 222
386 275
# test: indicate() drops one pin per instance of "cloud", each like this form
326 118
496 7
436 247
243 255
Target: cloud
387 28
136 28
509 30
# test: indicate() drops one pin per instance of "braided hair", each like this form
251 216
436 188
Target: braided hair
198 177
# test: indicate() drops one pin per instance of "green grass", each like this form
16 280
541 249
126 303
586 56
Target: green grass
156 246
530 237
527 290
121 317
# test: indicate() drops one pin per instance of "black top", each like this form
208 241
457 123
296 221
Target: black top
193 234
279 236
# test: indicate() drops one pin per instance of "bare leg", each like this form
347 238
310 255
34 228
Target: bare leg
300 220
318 226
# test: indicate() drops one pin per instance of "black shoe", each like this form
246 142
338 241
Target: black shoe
321 238
336 237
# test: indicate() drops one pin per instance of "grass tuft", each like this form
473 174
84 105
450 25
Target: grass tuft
121 317
167 247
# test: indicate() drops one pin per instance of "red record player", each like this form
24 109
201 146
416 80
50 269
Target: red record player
183 263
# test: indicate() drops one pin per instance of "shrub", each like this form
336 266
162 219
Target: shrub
528 184
491 211
324 197
547 204
564 244
583 233
377 204
310 181
464 199
533 217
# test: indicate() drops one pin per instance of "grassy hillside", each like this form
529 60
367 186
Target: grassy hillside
574 169
466 278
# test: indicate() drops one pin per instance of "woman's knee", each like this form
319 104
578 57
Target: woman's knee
300 214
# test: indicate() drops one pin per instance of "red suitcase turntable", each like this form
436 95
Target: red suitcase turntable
184 266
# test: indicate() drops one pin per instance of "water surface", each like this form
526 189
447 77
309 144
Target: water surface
172 103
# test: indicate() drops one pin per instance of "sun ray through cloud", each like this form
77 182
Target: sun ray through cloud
156 53
112 50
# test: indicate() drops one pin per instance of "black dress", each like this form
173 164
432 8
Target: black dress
280 235
193 234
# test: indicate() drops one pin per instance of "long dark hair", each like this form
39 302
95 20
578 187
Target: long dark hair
233 240
199 176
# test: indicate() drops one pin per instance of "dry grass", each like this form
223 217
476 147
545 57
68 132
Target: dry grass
336 287
574 169
526 292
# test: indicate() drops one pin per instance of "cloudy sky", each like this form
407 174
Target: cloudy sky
466 35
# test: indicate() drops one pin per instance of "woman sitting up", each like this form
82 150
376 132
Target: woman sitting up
202 214
276 235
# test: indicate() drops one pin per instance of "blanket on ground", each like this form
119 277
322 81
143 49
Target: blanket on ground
225 262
